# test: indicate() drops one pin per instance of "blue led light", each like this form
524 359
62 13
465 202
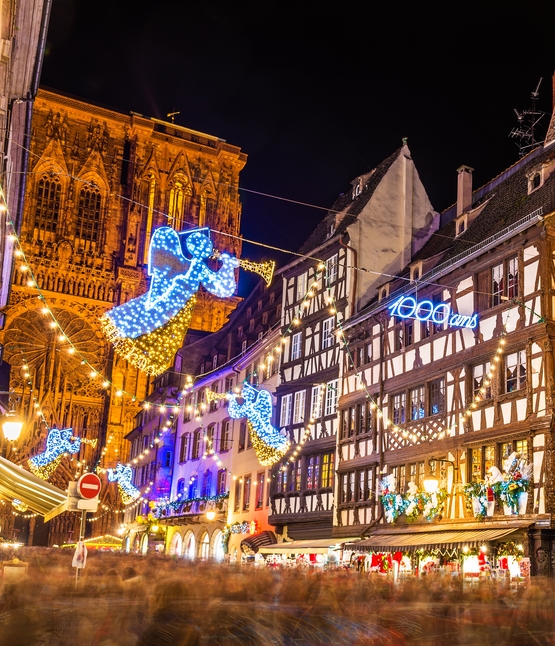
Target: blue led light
58 442
408 307
269 444
123 475
174 280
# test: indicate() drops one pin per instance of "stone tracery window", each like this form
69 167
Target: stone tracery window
179 203
47 213
207 208
88 215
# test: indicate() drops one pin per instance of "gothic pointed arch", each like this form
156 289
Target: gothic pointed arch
208 201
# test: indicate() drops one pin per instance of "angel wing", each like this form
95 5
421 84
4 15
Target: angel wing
166 262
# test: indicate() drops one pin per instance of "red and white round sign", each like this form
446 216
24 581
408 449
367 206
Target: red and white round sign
88 485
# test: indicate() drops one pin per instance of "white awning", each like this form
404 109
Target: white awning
315 546
40 496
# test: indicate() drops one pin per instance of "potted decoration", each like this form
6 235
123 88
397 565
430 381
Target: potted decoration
476 497
393 503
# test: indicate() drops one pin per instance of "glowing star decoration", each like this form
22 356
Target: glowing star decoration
148 330
408 307
270 446
123 475
58 442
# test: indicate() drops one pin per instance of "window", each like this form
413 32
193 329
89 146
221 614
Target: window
480 381
399 404
332 269
302 286
296 475
237 498
184 447
210 433
282 480
331 398
417 403
242 436
482 459
327 469
244 346
246 492
369 352
222 482
515 371
327 332
167 459
207 483
497 284
298 408
47 211
296 342
408 333
313 472
179 203
437 396
192 489
197 440
88 214
214 362
285 415
315 403
181 487
260 490
224 436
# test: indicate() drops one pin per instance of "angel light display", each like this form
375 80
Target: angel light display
148 330
123 475
268 443
58 443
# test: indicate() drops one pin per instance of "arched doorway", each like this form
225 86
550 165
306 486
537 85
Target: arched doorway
205 546
217 547
190 546
176 545
127 544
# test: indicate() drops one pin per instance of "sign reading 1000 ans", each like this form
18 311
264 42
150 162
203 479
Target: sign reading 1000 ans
408 307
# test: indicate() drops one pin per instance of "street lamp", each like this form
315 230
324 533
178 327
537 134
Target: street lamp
11 426
210 515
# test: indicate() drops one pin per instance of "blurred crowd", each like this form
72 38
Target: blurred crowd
128 600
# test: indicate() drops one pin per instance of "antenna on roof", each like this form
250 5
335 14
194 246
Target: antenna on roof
528 120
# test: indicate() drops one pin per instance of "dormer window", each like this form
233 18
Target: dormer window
461 225
331 228
535 179
384 292
215 362
249 312
357 188
416 271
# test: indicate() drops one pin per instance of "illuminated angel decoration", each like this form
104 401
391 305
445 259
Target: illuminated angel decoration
148 330
123 475
268 443
58 443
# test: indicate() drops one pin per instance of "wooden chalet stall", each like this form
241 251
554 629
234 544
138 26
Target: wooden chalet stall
446 445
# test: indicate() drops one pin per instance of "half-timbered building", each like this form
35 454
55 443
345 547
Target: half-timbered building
377 226
449 376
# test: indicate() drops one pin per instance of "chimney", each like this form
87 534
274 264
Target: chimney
464 189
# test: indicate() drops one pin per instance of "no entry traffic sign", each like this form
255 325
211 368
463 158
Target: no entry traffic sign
88 485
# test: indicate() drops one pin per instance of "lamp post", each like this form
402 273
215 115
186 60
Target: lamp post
11 426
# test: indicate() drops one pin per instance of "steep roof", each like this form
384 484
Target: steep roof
507 203
346 209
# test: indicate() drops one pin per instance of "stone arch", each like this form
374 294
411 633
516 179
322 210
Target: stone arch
190 543
176 545
204 546
216 546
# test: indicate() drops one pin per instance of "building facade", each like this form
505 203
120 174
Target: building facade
377 226
449 380
99 184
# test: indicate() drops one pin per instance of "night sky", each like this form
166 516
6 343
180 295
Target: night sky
315 96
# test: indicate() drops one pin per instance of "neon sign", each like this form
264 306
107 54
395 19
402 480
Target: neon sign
408 307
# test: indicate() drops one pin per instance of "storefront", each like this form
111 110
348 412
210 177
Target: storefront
324 552
472 550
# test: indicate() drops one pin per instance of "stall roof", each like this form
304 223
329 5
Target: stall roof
256 541
40 496
315 546
440 537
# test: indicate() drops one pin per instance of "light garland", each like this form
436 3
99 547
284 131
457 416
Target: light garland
269 445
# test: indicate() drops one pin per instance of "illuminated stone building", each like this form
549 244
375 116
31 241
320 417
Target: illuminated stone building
99 183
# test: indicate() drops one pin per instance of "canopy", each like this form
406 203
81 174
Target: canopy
451 537
315 546
40 496
257 540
